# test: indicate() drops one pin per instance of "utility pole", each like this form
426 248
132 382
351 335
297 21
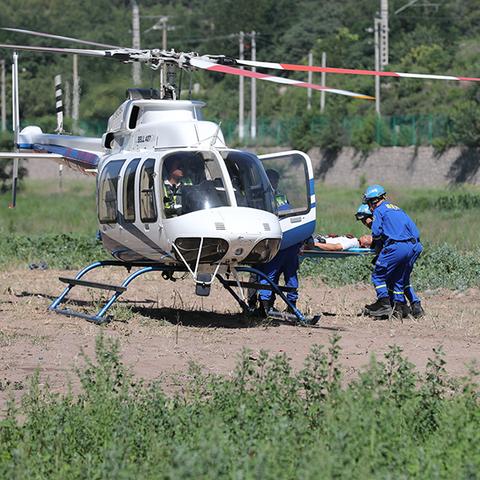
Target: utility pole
376 29
3 95
383 33
310 79
323 82
241 111
76 95
253 125
136 72
15 126
164 21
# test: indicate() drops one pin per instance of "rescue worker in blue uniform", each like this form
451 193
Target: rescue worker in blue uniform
366 217
398 241
286 261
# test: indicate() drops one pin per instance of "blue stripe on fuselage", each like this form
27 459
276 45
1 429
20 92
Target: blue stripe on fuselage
297 234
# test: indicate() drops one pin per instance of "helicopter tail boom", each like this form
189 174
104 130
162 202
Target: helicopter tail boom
79 153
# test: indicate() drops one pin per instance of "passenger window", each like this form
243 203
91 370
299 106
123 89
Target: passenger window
148 207
129 191
107 194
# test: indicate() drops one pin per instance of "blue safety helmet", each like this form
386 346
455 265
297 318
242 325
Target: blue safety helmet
363 211
372 192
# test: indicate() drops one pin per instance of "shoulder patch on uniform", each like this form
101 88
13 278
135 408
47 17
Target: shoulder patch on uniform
391 206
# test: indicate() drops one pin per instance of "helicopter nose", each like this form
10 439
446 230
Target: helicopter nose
225 234
212 250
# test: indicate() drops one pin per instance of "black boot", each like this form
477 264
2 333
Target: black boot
400 310
381 308
417 310
405 310
265 306
252 301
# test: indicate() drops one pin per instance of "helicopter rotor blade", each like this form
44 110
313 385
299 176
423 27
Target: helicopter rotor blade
122 55
78 51
353 71
60 37
204 64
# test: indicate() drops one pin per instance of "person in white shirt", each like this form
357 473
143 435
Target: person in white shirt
334 243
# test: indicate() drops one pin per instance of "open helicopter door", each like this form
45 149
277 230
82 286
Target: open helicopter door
291 176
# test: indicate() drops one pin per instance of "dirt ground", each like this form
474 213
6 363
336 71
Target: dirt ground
162 326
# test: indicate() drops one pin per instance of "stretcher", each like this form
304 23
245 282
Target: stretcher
351 252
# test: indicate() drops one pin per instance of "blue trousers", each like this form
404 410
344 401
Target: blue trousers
392 271
285 262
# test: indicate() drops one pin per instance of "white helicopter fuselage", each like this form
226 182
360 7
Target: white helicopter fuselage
150 234
225 210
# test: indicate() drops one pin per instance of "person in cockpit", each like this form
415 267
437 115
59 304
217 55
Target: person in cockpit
173 185
280 198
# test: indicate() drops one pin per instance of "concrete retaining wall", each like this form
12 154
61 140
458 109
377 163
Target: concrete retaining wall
398 166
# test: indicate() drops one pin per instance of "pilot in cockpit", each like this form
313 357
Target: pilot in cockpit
173 184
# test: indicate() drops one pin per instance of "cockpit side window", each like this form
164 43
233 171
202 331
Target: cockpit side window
107 192
250 183
148 206
129 191
288 176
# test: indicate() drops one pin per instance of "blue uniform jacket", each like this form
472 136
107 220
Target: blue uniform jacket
391 224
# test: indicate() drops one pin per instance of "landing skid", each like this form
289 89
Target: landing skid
101 317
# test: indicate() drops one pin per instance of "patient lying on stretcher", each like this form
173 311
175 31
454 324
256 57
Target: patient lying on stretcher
333 243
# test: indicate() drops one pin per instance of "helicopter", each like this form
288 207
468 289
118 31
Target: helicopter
228 221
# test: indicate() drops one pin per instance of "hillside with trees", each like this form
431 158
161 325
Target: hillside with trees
440 38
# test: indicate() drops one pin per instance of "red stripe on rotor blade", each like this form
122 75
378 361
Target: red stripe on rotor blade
238 71
349 71
263 76
353 71
469 79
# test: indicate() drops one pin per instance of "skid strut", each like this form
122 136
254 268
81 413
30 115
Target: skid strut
295 317
101 317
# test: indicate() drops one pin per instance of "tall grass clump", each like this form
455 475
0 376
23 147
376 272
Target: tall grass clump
64 250
265 421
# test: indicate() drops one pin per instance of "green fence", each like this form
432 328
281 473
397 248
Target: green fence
388 131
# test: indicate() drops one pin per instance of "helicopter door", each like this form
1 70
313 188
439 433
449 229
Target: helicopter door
291 176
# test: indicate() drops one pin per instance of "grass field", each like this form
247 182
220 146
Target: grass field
442 215
58 228
42 208
265 419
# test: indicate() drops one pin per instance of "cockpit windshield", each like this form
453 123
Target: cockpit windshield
192 181
250 182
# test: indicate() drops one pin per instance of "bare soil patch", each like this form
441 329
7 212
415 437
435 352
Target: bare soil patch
162 327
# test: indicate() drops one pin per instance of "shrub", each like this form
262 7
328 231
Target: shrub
265 421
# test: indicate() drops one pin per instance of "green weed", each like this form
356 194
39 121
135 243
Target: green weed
265 421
